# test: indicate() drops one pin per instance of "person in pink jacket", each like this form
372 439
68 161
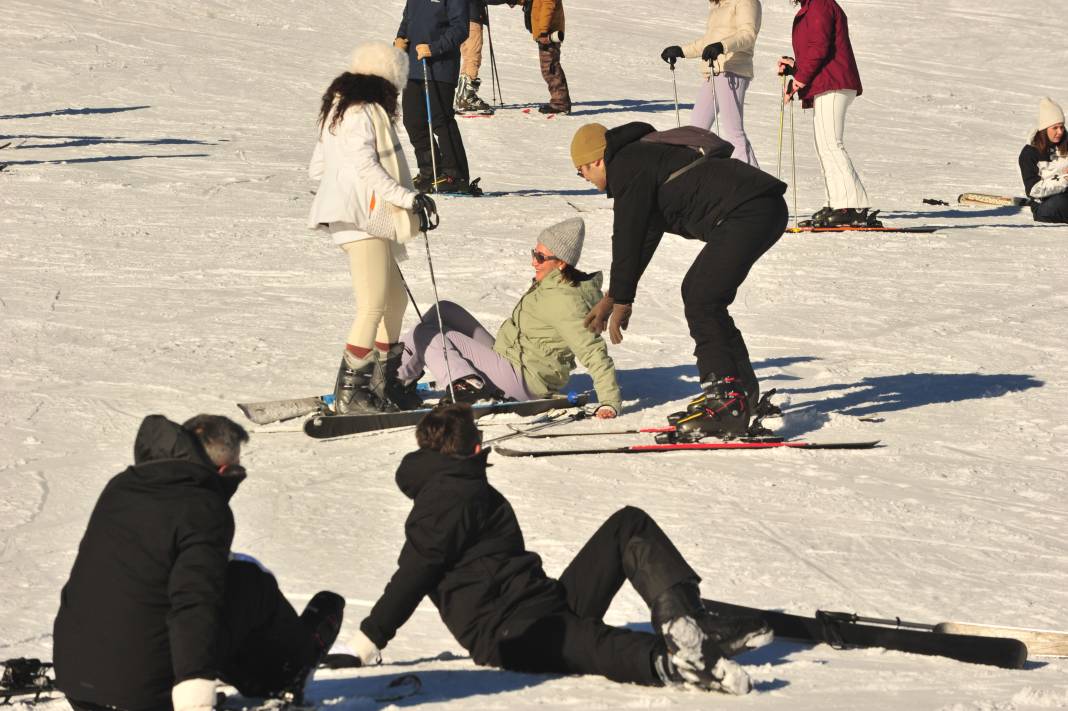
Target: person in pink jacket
826 78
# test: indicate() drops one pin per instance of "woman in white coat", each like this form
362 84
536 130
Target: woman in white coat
367 204
726 50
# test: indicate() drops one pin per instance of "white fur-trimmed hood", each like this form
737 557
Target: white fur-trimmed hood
381 59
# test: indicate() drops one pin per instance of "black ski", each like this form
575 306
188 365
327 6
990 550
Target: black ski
325 426
687 446
842 630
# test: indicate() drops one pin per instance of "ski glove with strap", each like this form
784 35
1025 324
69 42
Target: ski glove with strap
364 649
672 53
712 52
427 212
194 695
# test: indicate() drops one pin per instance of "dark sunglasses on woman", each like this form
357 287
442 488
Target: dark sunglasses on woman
542 258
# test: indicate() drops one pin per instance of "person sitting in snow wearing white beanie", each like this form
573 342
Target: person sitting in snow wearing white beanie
1044 165
535 350
367 203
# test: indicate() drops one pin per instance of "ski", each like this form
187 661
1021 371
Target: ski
998 200
686 446
268 411
1040 643
398 688
922 229
324 426
843 630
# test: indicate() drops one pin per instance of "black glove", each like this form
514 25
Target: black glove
712 51
670 54
427 211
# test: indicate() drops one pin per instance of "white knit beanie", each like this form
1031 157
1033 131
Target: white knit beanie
381 59
565 239
1049 113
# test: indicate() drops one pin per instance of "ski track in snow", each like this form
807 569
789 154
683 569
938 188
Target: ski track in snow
154 259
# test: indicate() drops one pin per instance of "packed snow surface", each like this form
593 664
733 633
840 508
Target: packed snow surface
154 260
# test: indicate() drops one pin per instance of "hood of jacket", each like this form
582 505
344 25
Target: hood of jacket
618 138
422 466
160 441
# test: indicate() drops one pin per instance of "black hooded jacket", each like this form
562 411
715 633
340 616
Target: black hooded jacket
142 608
463 547
647 204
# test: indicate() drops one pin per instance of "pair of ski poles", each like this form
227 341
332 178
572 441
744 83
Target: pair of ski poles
793 142
712 74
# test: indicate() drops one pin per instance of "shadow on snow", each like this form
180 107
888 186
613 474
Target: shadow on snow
75 112
78 141
438 685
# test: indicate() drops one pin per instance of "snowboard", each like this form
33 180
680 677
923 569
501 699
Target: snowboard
1040 643
985 199
324 426
841 631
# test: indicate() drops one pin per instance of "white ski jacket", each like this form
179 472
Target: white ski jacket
346 163
736 24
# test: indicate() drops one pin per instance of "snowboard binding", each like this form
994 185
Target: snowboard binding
23 676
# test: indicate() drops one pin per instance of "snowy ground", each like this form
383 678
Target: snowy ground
154 260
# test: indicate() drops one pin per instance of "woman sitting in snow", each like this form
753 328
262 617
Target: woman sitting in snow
535 350
1044 165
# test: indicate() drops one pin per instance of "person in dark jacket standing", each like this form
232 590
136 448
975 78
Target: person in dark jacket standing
1044 165
157 608
661 184
434 30
464 549
825 77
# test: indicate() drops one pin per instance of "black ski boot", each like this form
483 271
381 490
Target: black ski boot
450 184
550 109
467 100
472 390
818 219
322 618
391 393
722 410
352 392
723 635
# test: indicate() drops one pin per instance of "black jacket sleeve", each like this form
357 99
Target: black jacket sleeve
456 31
434 539
402 31
633 240
1029 158
197 586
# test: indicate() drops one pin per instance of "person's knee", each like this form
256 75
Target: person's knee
247 579
630 517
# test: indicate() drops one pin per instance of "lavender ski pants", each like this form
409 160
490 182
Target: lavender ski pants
730 91
470 351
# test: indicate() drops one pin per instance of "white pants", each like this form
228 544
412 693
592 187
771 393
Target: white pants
844 188
729 89
379 290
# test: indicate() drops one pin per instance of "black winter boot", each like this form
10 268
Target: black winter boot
352 392
722 410
694 663
322 618
390 392
818 219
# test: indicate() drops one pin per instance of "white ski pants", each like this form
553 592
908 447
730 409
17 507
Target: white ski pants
379 290
729 89
843 185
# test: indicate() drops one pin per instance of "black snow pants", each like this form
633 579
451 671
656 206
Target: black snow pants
712 282
263 643
1052 209
628 546
449 147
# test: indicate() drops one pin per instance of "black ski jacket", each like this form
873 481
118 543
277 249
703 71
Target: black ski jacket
142 608
647 204
442 24
463 547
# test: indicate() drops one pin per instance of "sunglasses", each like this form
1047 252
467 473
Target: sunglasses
542 258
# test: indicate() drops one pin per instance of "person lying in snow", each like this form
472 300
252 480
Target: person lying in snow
535 350
464 549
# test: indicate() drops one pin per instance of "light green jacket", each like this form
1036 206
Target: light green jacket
545 336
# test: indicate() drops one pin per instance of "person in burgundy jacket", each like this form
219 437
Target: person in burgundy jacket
825 77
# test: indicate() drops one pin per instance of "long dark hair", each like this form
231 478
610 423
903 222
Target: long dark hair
349 89
572 275
1044 146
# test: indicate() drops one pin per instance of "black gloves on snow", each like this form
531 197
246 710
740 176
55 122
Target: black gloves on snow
712 51
670 54
427 211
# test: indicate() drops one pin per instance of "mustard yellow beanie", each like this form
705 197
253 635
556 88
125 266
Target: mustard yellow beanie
588 144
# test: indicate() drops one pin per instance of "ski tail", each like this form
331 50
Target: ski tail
987 199
1040 643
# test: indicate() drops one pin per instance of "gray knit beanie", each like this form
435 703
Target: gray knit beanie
565 239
